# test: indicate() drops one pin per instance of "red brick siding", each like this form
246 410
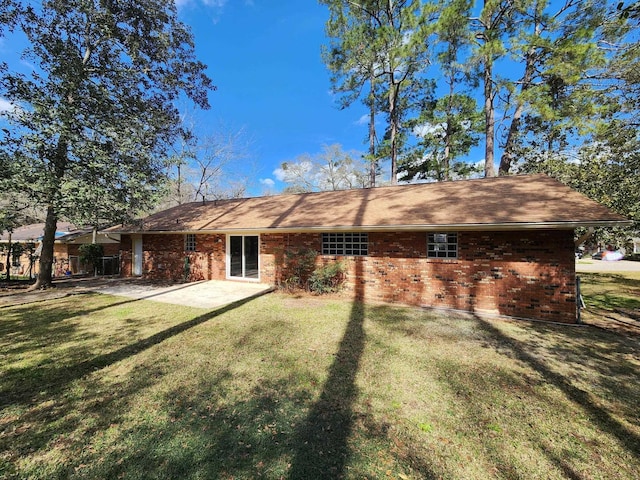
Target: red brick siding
528 274
164 257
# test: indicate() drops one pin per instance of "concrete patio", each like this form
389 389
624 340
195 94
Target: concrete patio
205 294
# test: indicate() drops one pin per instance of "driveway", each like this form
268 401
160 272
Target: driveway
598 266
205 294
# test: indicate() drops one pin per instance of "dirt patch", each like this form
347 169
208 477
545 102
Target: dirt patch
294 297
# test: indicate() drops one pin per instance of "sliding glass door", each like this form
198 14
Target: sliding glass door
242 256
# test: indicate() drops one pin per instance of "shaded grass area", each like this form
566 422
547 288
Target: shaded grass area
94 386
612 301
607 291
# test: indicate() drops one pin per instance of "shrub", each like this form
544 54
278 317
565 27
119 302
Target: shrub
298 267
90 254
328 278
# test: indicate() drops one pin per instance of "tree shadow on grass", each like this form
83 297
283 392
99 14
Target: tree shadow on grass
596 413
22 386
321 444
52 311
322 448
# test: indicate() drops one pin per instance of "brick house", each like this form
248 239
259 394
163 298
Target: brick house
65 248
502 245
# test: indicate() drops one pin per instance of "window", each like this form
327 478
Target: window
190 242
345 244
442 245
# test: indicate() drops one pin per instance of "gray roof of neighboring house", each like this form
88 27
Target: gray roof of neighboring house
66 232
33 232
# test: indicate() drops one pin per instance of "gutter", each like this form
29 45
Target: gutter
395 228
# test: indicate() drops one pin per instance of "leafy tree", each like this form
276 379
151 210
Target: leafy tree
354 63
494 23
448 126
445 132
581 122
96 116
91 254
381 39
553 98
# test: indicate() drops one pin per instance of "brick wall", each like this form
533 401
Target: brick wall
164 257
528 274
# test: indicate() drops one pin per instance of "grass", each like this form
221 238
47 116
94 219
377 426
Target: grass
93 386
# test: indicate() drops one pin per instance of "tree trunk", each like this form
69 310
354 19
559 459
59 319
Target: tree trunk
507 154
489 115
9 258
372 131
393 130
45 263
446 159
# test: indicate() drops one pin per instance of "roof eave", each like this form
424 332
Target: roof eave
564 225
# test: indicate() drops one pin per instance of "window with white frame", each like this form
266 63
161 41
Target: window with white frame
356 244
442 245
190 242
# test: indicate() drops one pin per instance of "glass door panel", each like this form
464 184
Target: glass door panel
244 256
251 257
235 257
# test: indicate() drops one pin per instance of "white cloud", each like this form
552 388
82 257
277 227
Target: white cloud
363 120
428 129
280 174
267 182
292 170
206 3
6 106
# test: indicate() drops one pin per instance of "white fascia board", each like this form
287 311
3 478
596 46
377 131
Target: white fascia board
400 228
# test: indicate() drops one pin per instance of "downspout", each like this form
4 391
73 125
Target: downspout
579 301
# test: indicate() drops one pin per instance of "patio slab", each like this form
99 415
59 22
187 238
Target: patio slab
205 294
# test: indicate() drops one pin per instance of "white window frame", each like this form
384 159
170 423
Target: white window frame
350 244
243 277
190 242
442 245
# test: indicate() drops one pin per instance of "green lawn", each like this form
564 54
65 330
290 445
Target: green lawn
93 386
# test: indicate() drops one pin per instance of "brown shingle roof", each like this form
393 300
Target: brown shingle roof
526 201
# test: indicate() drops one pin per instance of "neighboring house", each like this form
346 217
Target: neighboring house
502 245
66 253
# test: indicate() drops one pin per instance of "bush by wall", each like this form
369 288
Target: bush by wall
299 264
328 278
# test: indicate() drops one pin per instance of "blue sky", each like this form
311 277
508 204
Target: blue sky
264 56
265 59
